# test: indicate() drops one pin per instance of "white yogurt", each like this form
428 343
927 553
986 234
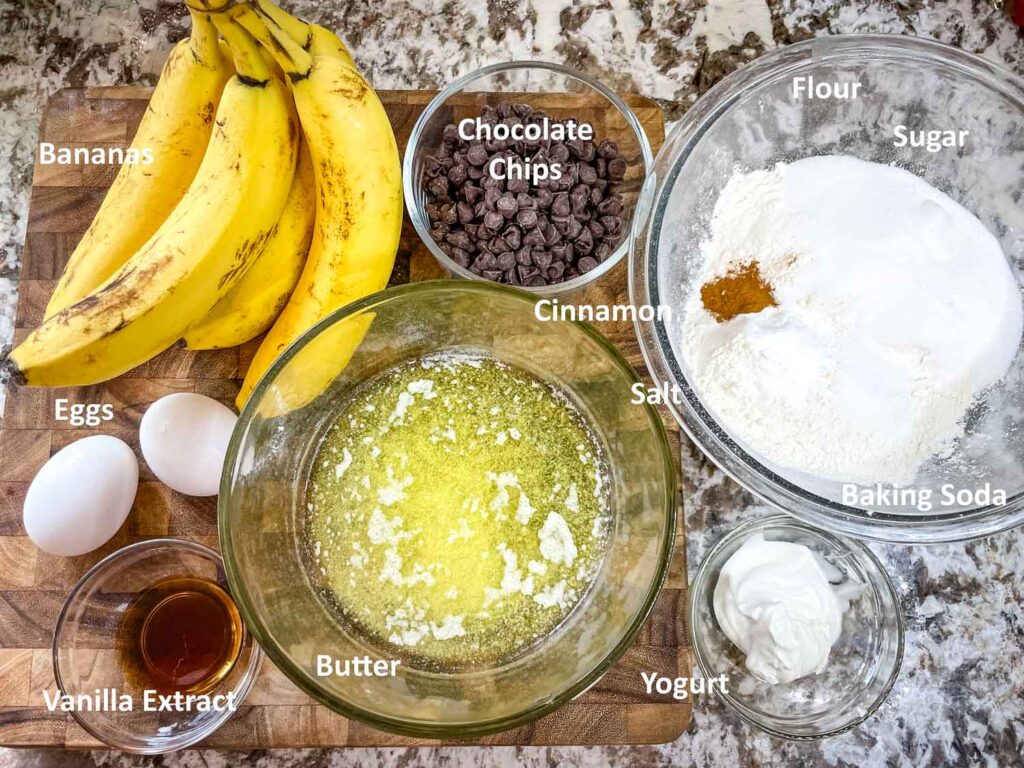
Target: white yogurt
774 601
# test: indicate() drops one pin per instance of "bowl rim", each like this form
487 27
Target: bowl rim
653 335
425 729
416 213
860 551
179 741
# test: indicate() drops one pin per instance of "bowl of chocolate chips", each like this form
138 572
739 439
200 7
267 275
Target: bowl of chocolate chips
527 174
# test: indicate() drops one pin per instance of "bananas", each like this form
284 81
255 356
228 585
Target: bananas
248 309
359 201
176 127
197 255
315 39
259 234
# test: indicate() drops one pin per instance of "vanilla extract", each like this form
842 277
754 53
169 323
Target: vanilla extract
182 635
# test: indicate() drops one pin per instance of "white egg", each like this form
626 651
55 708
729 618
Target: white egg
81 496
184 439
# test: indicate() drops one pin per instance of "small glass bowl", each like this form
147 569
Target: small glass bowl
85 657
578 96
862 666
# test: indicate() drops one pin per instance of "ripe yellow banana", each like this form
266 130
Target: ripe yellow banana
176 127
315 39
248 309
359 204
199 252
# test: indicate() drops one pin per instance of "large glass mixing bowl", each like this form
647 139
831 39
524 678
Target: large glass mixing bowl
751 121
262 506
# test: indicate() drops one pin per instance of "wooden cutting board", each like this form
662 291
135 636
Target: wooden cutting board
33 585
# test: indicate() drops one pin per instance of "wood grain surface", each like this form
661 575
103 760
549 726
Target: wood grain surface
33 585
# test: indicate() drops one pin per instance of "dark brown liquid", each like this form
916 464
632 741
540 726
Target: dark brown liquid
182 634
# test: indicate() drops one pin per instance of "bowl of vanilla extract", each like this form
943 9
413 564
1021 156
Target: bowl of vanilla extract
150 654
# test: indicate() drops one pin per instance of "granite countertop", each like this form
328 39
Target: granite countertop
960 697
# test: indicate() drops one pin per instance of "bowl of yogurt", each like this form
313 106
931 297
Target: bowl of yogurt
841 260
801 630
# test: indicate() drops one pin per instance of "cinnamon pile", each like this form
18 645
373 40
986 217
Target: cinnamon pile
742 291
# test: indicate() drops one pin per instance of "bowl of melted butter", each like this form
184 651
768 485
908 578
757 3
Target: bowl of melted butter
444 517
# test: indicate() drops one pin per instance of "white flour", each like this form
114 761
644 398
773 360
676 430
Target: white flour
895 307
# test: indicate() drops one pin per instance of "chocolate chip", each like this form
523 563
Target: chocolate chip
584 242
559 153
551 235
534 237
492 274
458 239
506 260
524 256
507 205
535 281
460 257
579 197
525 272
513 236
544 198
587 174
485 261
465 212
524 201
616 169
560 205
438 186
526 218
542 259
493 220
477 153
612 224
586 264
608 149
518 186
457 174
450 133
611 206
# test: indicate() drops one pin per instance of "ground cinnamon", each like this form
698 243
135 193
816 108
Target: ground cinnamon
741 292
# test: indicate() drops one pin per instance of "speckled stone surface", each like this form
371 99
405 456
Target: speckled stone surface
960 698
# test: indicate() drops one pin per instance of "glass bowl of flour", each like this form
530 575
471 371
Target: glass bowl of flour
837 236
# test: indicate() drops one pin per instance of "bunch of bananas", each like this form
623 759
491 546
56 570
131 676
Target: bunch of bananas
243 222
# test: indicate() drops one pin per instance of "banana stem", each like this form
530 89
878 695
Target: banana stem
249 61
297 29
203 39
293 59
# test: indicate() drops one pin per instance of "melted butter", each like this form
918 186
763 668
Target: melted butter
457 510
